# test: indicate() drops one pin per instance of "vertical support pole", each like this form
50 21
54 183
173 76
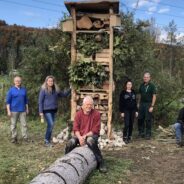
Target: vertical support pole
73 60
111 35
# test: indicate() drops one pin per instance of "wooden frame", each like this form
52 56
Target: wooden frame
103 97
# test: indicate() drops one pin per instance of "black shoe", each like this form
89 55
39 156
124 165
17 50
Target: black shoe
179 144
102 168
140 136
126 141
148 137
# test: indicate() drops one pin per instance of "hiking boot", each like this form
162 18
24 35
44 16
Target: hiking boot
102 167
49 145
26 140
14 140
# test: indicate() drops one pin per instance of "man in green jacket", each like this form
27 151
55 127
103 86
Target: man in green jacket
147 101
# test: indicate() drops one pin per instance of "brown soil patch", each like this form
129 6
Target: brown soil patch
154 162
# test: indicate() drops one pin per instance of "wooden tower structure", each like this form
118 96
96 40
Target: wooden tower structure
94 17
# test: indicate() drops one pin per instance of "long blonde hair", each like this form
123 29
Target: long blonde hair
54 87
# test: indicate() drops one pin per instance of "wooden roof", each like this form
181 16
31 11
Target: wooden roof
93 6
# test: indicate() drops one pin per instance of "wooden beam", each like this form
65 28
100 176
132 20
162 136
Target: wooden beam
109 123
73 60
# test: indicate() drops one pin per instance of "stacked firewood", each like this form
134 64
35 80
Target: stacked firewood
86 22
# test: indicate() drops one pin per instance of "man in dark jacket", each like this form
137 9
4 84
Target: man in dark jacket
147 93
179 127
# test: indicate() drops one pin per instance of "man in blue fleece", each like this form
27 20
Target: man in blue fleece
17 108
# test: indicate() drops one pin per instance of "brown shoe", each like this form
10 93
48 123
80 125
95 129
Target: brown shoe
14 140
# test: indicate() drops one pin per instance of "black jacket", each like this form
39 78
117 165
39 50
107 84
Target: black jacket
127 101
180 118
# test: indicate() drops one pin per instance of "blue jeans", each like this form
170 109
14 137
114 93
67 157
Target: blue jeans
50 118
179 132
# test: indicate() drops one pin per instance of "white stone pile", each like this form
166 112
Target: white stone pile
104 142
61 137
116 141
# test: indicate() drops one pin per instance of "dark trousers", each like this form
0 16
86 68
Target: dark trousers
144 120
92 143
128 127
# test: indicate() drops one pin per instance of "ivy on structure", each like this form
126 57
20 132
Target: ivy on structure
85 73
87 44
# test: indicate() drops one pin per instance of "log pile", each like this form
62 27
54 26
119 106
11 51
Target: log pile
90 21
73 168
165 133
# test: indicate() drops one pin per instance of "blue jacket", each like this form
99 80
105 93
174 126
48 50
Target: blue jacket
17 99
49 101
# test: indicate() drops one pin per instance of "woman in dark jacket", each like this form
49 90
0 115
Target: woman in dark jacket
48 104
128 109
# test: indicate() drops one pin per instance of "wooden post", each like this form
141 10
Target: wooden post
109 123
73 60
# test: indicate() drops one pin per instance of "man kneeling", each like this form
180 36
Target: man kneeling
179 127
86 130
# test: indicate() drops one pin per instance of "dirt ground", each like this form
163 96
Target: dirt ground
153 162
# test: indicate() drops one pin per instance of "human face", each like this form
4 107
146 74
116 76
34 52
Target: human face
17 81
50 82
147 77
129 86
87 106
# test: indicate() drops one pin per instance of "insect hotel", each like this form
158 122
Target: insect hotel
91 24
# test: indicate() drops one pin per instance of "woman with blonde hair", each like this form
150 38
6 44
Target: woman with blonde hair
48 104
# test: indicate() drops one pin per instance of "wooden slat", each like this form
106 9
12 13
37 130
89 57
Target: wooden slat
95 15
73 60
94 32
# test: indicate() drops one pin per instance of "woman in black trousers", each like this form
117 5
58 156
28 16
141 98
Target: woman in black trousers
128 109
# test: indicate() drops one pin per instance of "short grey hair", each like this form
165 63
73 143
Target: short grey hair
147 73
87 99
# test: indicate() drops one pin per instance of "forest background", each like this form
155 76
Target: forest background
36 53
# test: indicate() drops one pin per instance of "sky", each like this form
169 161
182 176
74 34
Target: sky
47 13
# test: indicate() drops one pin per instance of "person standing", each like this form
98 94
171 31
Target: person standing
147 93
86 128
17 108
48 104
128 110
179 128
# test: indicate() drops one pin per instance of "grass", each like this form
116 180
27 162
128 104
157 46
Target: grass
20 163
117 169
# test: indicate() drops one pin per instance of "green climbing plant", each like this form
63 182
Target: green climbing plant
85 73
87 44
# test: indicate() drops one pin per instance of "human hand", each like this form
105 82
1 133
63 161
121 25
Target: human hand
41 114
122 115
151 109
81 141
84 137
9 113
27 111
136 114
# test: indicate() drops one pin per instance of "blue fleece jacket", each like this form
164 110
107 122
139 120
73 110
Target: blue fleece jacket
17 99
49 101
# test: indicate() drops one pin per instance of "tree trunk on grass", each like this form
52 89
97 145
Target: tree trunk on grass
72 168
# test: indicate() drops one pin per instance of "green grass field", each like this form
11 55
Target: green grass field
20 163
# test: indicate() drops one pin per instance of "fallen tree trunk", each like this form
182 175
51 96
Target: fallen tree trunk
72 168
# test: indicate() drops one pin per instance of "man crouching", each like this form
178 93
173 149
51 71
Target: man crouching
86 128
